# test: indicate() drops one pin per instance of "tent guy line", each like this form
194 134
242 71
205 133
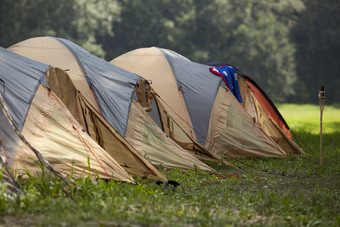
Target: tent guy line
50 92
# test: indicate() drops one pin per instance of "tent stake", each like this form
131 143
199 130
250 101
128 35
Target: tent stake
322 98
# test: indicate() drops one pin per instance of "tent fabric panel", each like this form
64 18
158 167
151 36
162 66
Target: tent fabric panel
155 150
9 139
155 144
154 114
255 142
113 87
265 123
161 152
79 162
25 161
116 146
217 121
51 129
135 128
62 139
240 135
12 147
199 89
268 107
248 100
151 64
20 79
192 146
285 142
49 51
178 135
62 85
170 126
255 109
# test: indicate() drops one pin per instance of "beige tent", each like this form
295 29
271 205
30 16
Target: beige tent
199 104
35 126
108 104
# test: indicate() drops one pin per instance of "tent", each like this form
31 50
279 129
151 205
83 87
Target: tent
262 109
36 127
110 103
200 103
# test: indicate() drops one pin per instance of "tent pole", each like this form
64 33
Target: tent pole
322 98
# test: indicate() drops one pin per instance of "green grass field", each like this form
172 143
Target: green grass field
293 192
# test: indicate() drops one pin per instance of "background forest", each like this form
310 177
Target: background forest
289 47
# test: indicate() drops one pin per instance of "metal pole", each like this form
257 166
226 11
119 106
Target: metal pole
322 97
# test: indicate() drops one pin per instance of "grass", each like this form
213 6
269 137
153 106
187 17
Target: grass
293 192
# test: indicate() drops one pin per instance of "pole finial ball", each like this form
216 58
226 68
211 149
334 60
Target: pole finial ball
322 88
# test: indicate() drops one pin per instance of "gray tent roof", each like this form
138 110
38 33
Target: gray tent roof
199 88
20 79
112 86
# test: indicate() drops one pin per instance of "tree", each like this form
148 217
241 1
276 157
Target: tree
79 21
145 23
316 36
252 34
289 47
25 19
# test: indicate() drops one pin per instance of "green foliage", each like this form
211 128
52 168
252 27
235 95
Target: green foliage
78 20
150 23
293 192
94 19
253 35
289 47
24 19
317 49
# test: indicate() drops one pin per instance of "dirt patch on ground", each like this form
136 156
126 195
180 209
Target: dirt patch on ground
30 220
26 220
